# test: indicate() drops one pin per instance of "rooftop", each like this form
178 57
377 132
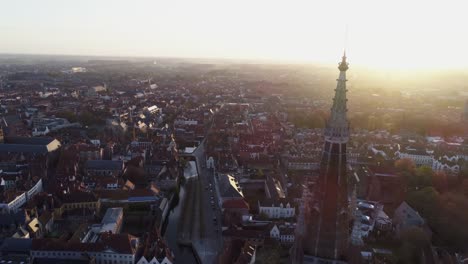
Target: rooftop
112 215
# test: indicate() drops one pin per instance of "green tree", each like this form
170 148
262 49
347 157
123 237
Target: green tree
422 178
88 118
424 201
69 115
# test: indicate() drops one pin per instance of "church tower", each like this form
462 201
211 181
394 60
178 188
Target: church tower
328 227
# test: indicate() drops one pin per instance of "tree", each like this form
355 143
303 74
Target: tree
464 170
445 214
263 216
424 201
440 181
270 254
69 115
405 166
183 163
88 118
413 242
422 177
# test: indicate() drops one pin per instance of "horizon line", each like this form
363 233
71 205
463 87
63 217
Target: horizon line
245 60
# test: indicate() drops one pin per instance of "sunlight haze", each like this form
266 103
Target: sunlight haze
385 34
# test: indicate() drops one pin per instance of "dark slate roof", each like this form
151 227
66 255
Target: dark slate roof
16 245
12 218
61 261
35 145
17 148
104 164
41 141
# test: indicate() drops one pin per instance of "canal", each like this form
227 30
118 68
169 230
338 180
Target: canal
182 254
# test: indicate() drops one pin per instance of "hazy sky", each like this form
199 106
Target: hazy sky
392 33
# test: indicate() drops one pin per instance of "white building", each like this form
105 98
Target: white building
283 233
276 209
419 157
15 204
185 122
112 221
154 260
446 166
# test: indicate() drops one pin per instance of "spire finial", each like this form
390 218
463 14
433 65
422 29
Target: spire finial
343 66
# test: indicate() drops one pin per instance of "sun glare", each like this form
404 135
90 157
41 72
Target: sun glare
389 34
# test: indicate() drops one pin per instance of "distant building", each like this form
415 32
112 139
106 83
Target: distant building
43 126
28 146
104 167
78 69
420 157
95 90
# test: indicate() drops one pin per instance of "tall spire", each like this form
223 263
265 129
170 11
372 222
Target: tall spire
327 234
337 129
343 65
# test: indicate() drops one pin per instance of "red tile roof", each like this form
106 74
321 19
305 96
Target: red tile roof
235 204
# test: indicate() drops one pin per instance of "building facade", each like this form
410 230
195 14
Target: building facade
276 209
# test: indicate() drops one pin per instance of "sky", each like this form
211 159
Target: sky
398 34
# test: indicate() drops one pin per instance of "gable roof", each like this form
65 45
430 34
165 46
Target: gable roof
408 211
229 187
